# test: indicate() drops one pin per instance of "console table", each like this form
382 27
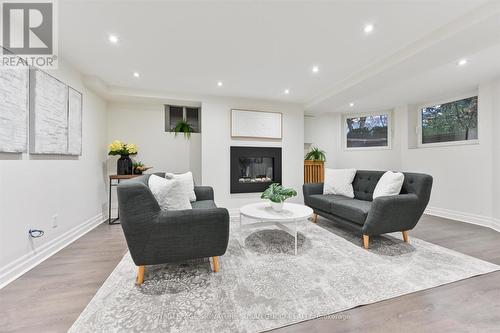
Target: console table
114 180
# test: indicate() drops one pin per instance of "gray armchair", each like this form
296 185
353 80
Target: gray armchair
156 237
373 216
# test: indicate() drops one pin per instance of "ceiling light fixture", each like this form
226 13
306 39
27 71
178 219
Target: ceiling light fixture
368 28
137 74
287 91
315 69
113 39
462 62
351 104
219 84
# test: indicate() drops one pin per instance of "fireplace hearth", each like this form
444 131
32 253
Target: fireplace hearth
253 169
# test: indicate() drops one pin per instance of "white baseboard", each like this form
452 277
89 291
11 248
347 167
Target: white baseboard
484 221
23 264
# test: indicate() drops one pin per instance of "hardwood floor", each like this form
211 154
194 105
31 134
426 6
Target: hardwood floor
50 297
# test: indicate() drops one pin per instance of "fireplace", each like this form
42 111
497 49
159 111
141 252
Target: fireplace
253 169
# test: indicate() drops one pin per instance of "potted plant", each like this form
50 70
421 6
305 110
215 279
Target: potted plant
124 164
183 127
315 154
314 166
277 194
139 168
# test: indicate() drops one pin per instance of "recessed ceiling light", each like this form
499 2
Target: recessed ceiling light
287 91
137 74
462 62
315 69
351 104
113 39
368 28
219 84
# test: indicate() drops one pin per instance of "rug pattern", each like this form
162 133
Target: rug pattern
262 285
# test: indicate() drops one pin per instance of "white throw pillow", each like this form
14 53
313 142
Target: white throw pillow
186 179
339 181
389 184
169 193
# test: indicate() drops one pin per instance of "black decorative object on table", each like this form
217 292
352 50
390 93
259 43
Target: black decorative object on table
124 165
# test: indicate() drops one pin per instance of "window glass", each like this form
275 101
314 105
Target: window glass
367 131
192 117
448 122
176 115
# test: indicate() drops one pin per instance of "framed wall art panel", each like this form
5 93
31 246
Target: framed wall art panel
14 97
256 124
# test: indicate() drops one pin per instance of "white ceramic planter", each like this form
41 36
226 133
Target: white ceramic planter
277 206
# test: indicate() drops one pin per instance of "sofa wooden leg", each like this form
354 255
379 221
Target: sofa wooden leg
140 275
406 236
366 241
216 264
315 218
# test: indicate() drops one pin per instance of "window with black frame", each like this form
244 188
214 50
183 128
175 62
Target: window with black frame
454 121
367 131
174 114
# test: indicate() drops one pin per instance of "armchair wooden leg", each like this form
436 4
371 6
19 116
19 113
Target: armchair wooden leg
406 236
366 241
140 275
315 218
216 264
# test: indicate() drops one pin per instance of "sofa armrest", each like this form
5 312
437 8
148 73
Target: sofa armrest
312 188
391 214
136 202
204 193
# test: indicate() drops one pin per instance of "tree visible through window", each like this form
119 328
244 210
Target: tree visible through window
448 122
367 131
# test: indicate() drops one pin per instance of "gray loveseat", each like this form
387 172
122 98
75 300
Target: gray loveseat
156 237
373 217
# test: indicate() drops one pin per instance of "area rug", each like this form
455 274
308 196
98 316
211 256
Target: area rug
262 285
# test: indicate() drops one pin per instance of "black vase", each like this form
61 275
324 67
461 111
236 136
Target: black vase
124 165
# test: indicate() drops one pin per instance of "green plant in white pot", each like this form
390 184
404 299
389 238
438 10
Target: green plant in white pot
277 194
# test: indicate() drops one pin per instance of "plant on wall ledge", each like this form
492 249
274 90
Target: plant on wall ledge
183 127
315 154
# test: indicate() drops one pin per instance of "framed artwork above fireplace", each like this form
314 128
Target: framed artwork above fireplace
256 124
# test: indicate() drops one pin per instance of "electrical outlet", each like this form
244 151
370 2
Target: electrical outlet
54 221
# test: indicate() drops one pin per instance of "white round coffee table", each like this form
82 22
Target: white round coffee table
262 215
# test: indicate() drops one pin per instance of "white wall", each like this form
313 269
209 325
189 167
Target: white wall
144 125
216 143
34 188
463 173
496 152
466 184
326 131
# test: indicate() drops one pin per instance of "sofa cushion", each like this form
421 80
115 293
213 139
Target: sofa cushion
339 181
203 204
389 184
324 201
364 184
352 209
168 193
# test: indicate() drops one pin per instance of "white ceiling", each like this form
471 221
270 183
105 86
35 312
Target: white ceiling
257 49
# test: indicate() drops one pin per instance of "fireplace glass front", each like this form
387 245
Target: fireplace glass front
253 169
